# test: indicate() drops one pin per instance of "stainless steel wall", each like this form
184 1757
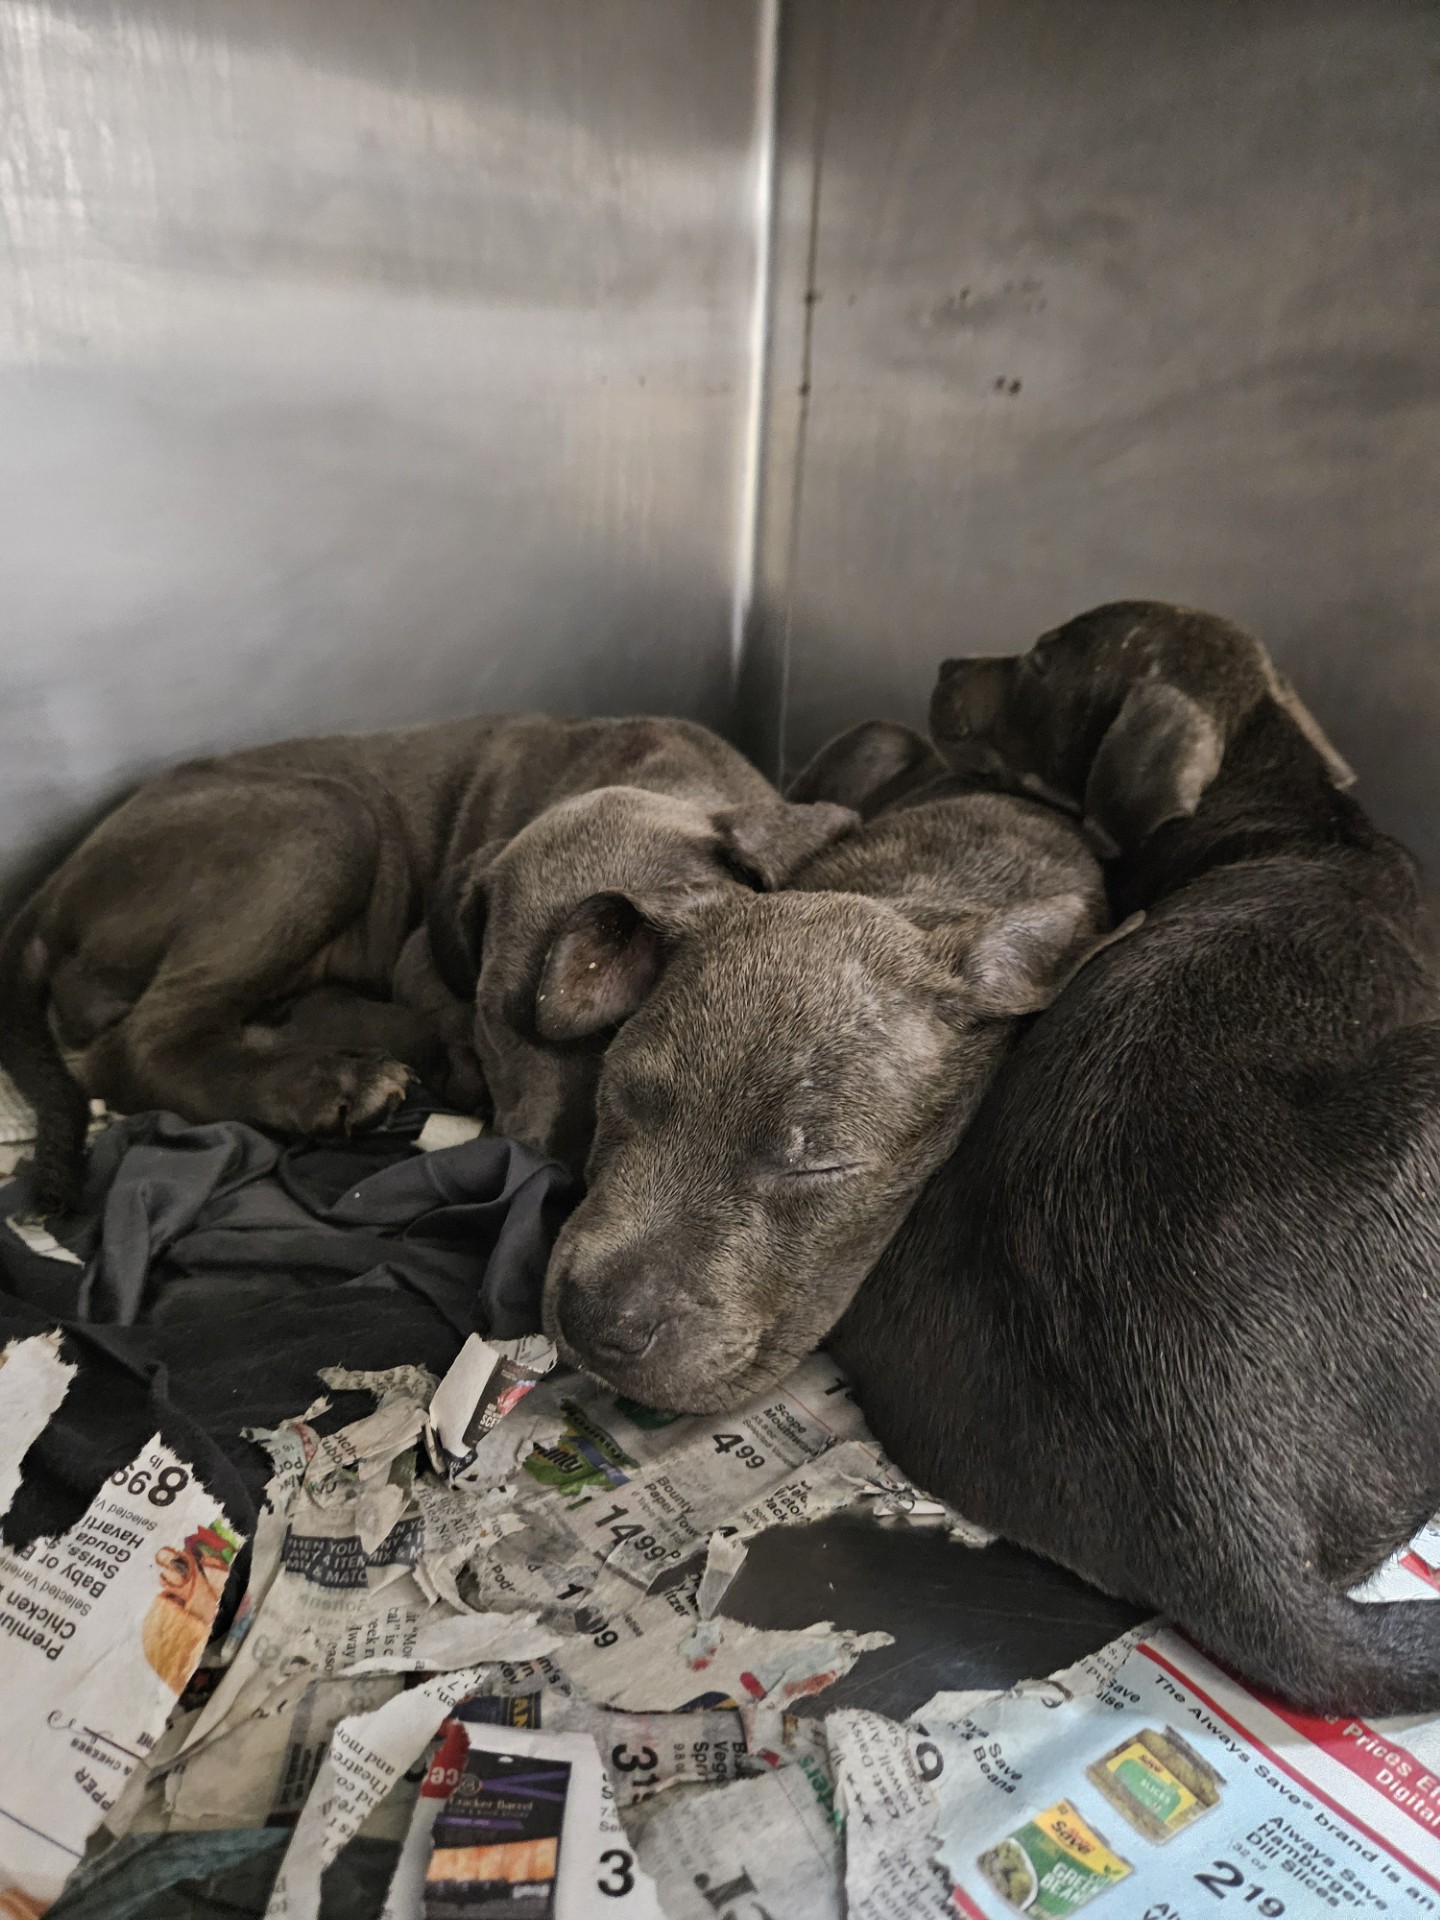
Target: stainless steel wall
361 363
1073 302
364 362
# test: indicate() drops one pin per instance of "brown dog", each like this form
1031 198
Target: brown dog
223 944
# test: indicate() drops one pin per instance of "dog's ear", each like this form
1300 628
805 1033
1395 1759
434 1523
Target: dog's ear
601 965
1338 768
1020 957
867 766
455 921
1159 755
770 841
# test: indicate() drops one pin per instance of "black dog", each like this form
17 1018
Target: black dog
1171 1313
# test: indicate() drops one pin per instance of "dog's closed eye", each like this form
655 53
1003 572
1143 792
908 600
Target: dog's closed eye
802 1158
792 1168
826 1170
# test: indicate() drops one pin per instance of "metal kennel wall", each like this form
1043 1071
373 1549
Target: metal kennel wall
365 362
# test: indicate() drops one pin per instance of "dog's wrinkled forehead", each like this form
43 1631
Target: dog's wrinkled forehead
1078 673
794 997
1104 652
1044 712
620 837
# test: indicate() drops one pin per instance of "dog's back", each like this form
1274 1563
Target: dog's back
1171 1313
169 949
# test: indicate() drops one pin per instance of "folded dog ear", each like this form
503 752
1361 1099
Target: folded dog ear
774 839
601 965
455 921
866 766
1021 956
1161 752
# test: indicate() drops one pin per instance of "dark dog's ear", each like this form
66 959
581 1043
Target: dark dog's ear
868 766
1161 752
601 965
771 841
1021 956
1341 773
455 922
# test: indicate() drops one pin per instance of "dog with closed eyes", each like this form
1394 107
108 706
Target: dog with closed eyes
285 935
1170 1314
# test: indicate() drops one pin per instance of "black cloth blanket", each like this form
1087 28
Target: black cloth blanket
219 1270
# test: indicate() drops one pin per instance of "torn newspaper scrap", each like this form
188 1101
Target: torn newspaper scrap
33 1381
367 1755
100 1629
641 1492
767 1846
583 1536
484 1383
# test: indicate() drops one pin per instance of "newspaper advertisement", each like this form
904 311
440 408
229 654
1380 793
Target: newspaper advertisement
1144 1781
100 1629
643 1753
640 1492
517 1819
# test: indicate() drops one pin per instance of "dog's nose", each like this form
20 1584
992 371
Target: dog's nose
617 1323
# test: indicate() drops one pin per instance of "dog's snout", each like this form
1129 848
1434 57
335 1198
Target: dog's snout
616 1320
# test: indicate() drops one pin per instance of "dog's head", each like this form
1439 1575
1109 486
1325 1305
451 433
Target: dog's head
872 766
559 934
1123 715
802 1064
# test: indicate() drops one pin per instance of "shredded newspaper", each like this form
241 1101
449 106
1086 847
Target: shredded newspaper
486 1621
1145 1776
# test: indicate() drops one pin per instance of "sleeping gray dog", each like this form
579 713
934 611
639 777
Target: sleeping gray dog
784 1088
224 944
493 966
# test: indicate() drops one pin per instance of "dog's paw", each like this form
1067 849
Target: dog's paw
339 1093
